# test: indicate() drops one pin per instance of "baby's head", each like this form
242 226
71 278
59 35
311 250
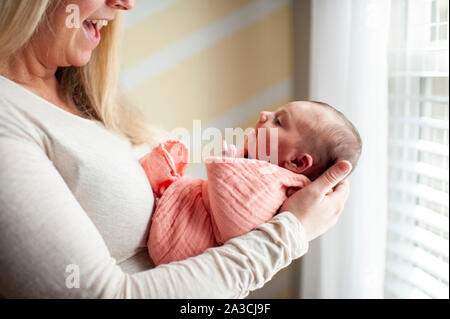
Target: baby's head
312 136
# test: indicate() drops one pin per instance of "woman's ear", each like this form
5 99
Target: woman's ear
300 163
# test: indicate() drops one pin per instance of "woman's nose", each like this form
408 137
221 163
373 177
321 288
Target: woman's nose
121 4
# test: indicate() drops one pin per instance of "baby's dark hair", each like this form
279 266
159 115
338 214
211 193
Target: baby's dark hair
338 142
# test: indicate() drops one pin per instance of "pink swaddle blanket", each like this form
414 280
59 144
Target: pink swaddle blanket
192 214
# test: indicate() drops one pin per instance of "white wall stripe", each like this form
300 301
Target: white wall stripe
144 9
189 46
246 111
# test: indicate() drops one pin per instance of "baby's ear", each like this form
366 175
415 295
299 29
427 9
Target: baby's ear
300 163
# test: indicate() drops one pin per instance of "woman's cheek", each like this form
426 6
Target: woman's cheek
87 8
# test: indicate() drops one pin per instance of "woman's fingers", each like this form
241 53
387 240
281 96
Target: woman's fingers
339 196
333 176
317 210
342 190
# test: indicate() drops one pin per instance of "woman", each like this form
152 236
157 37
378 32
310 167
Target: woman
74 201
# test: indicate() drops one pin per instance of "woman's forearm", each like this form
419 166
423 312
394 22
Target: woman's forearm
241 265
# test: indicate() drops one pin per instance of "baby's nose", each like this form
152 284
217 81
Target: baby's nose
263 116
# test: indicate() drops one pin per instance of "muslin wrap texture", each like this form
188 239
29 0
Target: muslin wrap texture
193 214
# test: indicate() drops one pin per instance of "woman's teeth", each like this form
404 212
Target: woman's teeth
101 23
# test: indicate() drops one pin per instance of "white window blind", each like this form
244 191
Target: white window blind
417 264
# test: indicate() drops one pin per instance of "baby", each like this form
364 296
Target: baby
242 191
312 136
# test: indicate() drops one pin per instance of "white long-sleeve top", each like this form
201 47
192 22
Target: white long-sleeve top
75 207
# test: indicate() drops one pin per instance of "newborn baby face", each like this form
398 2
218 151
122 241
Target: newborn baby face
294 123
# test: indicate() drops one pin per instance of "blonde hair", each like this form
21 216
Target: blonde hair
92 89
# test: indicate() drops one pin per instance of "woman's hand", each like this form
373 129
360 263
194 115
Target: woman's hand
318 205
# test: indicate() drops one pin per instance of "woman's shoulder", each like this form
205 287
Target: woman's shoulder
14 121
12 100
26 115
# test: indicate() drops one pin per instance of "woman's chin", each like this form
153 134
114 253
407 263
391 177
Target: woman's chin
81 59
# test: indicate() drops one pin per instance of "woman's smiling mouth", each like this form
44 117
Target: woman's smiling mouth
92 28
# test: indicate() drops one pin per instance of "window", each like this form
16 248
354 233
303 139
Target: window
417 264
